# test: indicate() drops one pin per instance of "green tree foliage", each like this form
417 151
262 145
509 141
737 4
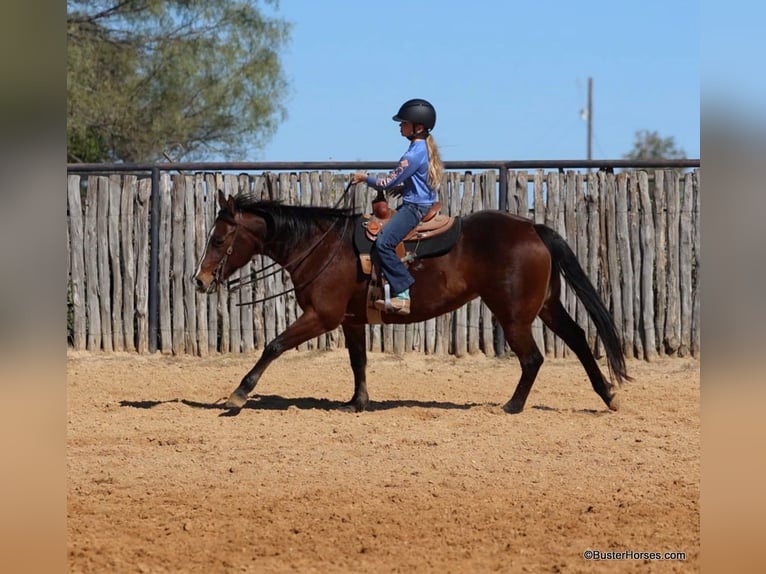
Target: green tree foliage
650 145
148 76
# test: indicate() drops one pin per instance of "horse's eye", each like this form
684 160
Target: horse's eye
216 241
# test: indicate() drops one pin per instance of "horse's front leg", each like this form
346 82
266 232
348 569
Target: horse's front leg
356 341
306 327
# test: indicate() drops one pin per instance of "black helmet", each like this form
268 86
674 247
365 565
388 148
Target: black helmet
417 111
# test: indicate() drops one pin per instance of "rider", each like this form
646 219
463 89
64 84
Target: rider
420 172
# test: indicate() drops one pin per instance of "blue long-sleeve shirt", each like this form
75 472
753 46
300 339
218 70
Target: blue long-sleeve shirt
412 172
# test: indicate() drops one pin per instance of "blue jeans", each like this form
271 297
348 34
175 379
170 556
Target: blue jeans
407 216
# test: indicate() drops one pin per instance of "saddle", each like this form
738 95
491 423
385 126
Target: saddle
433 236
433 222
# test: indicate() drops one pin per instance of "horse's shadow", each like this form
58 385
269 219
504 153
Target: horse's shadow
581 411
280 403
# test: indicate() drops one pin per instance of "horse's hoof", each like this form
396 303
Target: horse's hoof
236 401
614 402
513 408
351 408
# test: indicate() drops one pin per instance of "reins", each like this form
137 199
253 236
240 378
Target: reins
317 274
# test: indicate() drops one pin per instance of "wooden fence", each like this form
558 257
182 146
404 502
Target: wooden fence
636 235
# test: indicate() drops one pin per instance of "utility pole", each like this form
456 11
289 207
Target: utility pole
590 118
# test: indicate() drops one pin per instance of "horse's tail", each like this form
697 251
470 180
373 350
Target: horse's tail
565 262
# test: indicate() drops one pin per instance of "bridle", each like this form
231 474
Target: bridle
218 271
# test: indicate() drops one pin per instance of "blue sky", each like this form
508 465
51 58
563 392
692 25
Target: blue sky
508 79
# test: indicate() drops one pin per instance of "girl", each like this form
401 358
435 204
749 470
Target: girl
420 172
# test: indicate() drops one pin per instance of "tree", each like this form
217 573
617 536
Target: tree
650 145
146 76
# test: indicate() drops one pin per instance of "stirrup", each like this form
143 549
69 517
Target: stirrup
389 305
395 305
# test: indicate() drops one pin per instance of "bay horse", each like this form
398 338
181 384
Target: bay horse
513 264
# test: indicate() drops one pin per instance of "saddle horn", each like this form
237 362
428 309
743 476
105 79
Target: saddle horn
380 206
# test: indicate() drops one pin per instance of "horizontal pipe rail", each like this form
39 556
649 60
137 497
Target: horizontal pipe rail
352 165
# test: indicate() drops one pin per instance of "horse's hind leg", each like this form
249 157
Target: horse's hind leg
522 343
561 323
356 341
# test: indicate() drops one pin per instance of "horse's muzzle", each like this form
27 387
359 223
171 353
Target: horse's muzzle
205 284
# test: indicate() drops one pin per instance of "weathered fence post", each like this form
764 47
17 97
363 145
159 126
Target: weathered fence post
77 240
647 267
635 253
127 246
686 264
661 258
626 264
102 261
673 316
696 320
143 255
200 238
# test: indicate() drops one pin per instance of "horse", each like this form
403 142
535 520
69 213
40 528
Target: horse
513 264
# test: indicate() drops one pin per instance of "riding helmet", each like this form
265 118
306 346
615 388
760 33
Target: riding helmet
417 111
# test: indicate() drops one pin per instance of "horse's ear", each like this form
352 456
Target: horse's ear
231 207
221 199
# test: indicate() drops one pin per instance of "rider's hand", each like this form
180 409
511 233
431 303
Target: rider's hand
359 177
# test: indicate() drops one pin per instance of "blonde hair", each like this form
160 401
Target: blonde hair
435 165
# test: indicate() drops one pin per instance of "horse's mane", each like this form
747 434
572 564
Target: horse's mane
291 223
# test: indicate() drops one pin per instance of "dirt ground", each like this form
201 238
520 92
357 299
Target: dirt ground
434 477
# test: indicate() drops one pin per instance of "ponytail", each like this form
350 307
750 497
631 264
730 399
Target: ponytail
435 165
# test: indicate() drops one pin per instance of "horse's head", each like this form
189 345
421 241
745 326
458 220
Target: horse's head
232 242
